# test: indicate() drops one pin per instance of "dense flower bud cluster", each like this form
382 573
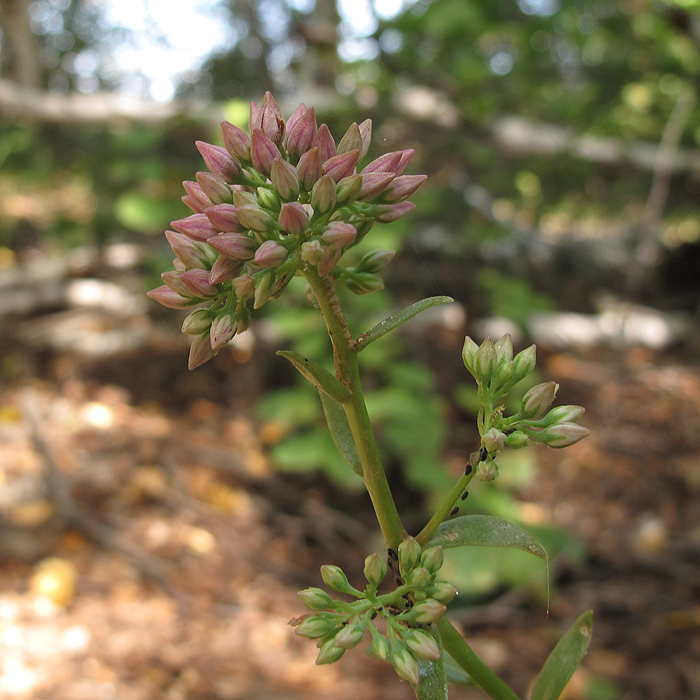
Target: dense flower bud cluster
277 202
408 612
497 371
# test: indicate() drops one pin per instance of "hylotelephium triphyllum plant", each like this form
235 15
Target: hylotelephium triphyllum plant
287 200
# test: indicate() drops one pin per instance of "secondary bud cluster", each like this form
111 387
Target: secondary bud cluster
285 199
497 371
407 612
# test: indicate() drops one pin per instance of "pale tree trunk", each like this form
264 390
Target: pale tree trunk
19 60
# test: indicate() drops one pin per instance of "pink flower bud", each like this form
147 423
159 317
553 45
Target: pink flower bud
190 253
218 160
200 351
214 187
387 163
222 330
285 179
328 261
167 297
293 218
563 434
311 252
198 283
373 184
310 168
323 197
196 226
366 135
224 269
263 152
536 401
403 187
236 246
236 142
342 165
172 279
325 143
223 217
339 235
298 114
392 212
352 140
244 286
255 121
270 254
271 120
197 200
254 218
301 134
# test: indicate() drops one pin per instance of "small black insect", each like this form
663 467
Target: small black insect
464 495
455 510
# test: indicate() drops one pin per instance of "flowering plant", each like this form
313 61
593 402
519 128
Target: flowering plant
287 200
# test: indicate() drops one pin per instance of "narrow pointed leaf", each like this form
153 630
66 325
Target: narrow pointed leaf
433 682
395 320
455 674
564 659
485 531
321 378
340 431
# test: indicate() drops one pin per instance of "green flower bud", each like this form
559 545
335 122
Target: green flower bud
334 578
443 592
523 364
487 471
375 569
504 349
375 261
485 361
430 610
564 414
469 355
563 434
323 196
316 599
518 439
409 554
264 287
329 653
420 577
380 644
536 402
197 322
405 663
422 644
350 635
315 626
363 283
432 559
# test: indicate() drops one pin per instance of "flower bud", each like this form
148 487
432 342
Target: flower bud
237 246
493 440
298 114
243 198
422 644
443 592
263 152
323 196
334 578
409 554
254 218
349 189
485 361
221 331
310 168
429 610
215 188
285 179
380 644
402 187
523 364
190 253
301 133
197 322
315 626
338 235
316 599
391 212
487 471
536 401
386 163
373 184
270 254
564 414
329 653
224 269
311 252
218 160
264 287
518 439
364 283
196 226
352 140
196 199
432 559
342 165
350 636
420 577
324 142
198 283
563 434
375 569
200 351
329 259
375 261
167 297
268 199
293 218
172 279
366 136
504 348
243 286
405 663
271 119
236 142
469 351
223 217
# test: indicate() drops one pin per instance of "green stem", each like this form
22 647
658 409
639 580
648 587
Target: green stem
347 372
446 508
478 671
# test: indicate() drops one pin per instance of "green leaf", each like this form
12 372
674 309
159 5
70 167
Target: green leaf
485 531
454 672
433 682
321 378
395 320
564 659
340 431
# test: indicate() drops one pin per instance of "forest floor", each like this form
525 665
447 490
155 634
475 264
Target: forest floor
149 551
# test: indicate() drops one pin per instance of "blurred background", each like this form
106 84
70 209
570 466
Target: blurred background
156 523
